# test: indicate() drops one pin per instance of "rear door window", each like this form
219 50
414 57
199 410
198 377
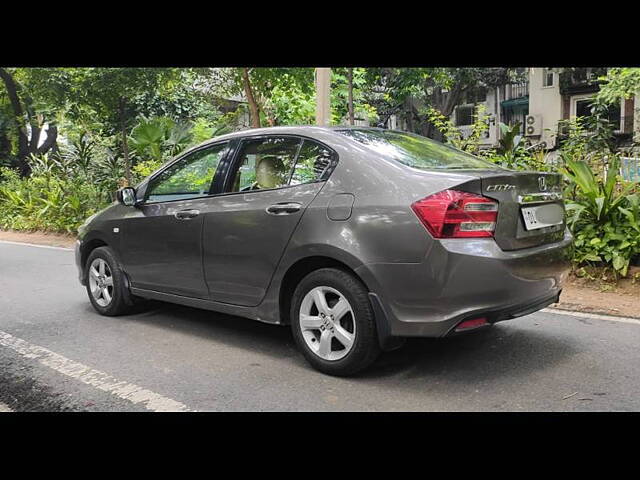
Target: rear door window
275 162
265 163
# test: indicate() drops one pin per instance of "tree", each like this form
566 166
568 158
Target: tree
350 97
263 87
114 95
619 83
409 92
347 96
254 108
27 120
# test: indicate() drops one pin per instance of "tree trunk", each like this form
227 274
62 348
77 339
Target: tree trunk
445 104
27 144
254 109
452 99
350 99
18 113
125 147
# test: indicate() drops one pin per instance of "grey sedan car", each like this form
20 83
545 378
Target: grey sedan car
355 237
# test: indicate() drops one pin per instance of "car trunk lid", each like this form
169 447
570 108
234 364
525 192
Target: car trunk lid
531 208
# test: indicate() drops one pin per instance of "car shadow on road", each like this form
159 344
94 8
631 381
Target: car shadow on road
272 340
504 350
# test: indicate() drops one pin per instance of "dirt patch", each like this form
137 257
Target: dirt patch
585 295
39 238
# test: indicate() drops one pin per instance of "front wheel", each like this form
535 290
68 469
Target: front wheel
106 284
333 322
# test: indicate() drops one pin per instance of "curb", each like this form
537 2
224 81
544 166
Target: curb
571 307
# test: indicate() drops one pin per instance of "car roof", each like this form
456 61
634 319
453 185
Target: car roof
313 131
305 130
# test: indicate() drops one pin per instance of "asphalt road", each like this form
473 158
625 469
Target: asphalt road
57 354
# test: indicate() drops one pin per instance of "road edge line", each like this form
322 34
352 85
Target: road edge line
36 245
89 376
593 316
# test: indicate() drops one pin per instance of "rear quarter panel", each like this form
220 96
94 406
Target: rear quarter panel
382 226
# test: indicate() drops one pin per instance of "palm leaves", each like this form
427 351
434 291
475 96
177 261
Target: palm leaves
599 199
160 138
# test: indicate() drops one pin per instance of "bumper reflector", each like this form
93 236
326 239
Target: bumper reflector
472 323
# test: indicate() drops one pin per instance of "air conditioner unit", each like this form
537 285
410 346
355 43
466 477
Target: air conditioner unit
533 126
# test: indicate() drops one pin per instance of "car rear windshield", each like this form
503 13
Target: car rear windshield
416 151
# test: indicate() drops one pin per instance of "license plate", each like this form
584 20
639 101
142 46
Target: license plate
542 216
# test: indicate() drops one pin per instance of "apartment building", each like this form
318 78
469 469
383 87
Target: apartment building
547 96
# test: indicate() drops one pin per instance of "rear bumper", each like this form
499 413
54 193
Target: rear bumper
459 280
503 313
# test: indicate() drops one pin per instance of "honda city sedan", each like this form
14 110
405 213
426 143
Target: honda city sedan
356 238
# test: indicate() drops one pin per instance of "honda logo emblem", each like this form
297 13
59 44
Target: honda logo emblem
542 183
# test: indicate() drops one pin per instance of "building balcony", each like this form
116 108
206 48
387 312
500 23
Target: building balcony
574 81
516 90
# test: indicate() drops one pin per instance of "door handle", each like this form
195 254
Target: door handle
186 214
284 208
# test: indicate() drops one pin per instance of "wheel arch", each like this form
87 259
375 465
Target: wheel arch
301 268
89 246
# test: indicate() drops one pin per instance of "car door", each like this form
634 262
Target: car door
270 183
162 238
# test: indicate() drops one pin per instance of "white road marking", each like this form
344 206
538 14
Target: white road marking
34 245
4 408
593 316
103 381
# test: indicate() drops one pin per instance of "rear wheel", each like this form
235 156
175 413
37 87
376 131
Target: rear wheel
333 323
106 284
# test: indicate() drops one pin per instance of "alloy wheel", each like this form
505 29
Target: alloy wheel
327 323
101 282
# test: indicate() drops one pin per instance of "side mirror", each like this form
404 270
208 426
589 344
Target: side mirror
127 196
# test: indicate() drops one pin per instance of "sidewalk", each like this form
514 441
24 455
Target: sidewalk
39 238
578 295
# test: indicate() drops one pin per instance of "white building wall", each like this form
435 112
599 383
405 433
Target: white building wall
546 102
491 107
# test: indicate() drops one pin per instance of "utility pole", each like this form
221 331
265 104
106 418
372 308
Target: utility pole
323 91
350 99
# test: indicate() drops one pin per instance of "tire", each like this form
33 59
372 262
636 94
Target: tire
351 334
118 300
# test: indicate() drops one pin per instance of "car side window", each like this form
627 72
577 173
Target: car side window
265 163
313 163
190 177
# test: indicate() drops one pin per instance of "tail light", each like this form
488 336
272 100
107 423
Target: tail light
454 214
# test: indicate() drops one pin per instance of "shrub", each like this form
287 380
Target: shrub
143 169
50 199
604 216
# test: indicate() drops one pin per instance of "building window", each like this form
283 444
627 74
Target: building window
464 115
476 94
582 108
547 77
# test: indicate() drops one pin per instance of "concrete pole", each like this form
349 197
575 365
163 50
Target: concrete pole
323 90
